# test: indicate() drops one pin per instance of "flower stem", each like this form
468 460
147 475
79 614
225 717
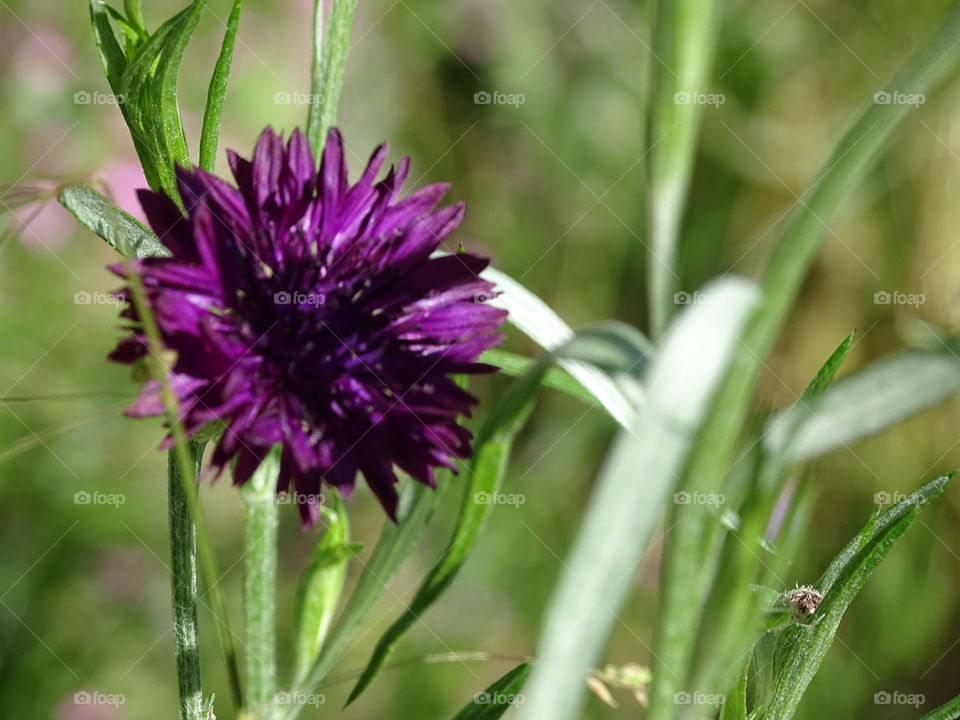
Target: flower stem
183 557
260 515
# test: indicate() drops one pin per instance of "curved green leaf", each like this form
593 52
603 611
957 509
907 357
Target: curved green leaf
630 495
123 232
802 646
493 702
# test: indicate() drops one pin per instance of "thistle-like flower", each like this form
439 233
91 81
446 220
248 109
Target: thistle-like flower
306 312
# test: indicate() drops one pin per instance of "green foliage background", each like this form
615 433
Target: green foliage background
555 187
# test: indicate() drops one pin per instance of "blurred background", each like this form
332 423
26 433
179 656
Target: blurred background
534 110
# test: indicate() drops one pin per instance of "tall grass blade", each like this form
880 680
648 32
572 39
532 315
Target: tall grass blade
684 38
632 491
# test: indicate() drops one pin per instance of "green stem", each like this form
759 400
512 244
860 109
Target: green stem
180 453
260 516
183 565
329 62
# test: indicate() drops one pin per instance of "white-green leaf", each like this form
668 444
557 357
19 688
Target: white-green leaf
632 491
865 403
540 323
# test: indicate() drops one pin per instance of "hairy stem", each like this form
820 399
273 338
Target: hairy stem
183 565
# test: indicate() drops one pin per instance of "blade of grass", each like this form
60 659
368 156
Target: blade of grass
210 133
493 702
633 487
540 323
684 579
950 710
865 403
684 37
327 82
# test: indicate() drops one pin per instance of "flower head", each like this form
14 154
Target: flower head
306 312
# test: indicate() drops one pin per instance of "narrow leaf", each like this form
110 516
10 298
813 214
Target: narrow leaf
684 38
123 232
397 541
493 702
328 83
866 403
948 711
210 133
802 647
631 493
541 324
321 587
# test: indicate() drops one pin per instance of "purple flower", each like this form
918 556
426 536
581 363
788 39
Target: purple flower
310 313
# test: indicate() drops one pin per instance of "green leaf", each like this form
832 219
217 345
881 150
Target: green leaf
865 403
123 232
802 646
210 133
829 369
328 69
321 586
112 58
684 37
732 620
541 324
735 704
487 469
803 234
516 365
493 702
397 541
147 86
632 490
948 711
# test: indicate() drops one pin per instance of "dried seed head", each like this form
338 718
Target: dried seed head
803 601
